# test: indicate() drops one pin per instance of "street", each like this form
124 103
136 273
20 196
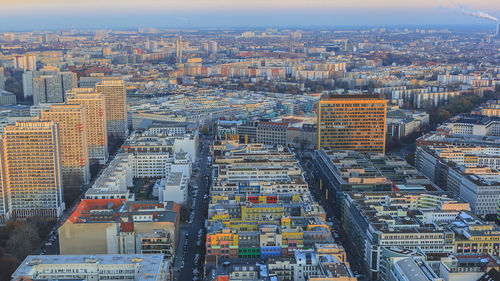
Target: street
312 178
185 267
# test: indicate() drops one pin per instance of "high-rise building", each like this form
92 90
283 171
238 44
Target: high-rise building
115 97
95 111
25 62
352 122
2 79
52 87
73 142
31 169
178 45
212 47
28 83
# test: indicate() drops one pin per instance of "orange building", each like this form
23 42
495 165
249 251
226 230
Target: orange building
352 122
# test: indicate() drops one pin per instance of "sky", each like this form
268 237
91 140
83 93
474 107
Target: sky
56 14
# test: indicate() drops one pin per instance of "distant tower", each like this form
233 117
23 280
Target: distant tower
97 132
179 49
115 98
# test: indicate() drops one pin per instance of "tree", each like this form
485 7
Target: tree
443 115
23 241
204 130
410 158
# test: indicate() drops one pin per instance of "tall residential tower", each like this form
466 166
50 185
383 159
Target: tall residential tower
31 169
113 90
95 112
73 142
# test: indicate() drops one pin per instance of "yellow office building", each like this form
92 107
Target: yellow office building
352 122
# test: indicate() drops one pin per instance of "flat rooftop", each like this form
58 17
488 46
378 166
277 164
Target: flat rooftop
150 267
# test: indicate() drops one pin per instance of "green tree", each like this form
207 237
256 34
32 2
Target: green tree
410 158
204 130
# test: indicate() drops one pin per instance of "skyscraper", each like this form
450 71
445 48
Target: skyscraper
31 169
28 83
95 112
113 90
2 79
212 47
73 142
178 44
352 122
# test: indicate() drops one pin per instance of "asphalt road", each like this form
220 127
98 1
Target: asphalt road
187 253
312 177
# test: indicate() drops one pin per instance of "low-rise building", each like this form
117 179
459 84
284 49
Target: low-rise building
94 267
112 226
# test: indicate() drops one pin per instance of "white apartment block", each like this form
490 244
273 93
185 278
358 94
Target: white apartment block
114 181
174 188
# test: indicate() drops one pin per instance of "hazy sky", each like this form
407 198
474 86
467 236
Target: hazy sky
32 14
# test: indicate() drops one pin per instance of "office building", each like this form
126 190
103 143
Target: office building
412 269
94 267
158 242
111 226
352 122
471 173
467 266
50 86
73 144
115 98
212 47
31 169
179 46
429 223
95 111
2 79
7 97
25 62
28 83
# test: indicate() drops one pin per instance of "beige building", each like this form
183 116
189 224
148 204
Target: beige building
112 226
31 169
74 151
116 106
95 110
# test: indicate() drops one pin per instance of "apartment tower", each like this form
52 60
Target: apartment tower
73 142
95 116
115 98
352 122
31 169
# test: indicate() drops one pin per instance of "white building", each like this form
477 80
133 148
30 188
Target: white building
95 267
174 188
114 181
